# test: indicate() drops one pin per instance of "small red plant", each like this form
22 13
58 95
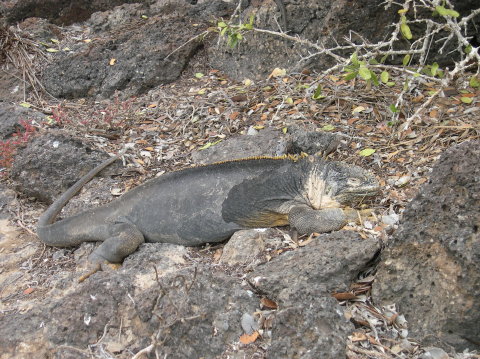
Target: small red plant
60 116
8 148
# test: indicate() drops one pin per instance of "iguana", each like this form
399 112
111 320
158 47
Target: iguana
209 203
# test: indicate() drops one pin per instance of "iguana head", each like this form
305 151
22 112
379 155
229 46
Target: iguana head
338 184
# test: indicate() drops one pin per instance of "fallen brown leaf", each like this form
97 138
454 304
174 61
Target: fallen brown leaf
28 290
344 296
268 303
248 339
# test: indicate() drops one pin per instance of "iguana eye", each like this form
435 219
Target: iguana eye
354 182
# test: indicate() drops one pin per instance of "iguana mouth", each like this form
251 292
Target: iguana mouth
358 193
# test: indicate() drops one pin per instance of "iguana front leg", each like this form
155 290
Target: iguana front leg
124 239
307 220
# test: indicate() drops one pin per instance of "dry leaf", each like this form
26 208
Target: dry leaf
248 339
28 290
234 115
344 296
372 340
239 98
358 109
217 255
357 337
112 62
268 303
277 72
116 191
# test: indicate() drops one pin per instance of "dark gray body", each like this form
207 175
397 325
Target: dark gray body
198 205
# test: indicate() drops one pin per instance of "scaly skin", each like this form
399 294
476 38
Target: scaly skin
209 203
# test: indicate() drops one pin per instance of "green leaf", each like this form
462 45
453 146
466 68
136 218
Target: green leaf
205 146
402 11
384 76
328 128
384 58
453 13
248 26
317 95
441 10
467 100
374 78
55 41
222 24
468 49
252 19
350 76
446 12
393 108
51 50
405 85
367 152
289 101
390 83
144 17
209 144
365 73
406 32
199 75
434 69
373 61
406 60
232 41
25 104
354 59
474 82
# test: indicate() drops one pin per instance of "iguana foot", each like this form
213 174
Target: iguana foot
92 271
97 267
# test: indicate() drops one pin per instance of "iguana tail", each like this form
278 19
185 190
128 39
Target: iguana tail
48 217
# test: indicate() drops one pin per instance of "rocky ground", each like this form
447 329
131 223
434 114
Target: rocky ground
264 293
